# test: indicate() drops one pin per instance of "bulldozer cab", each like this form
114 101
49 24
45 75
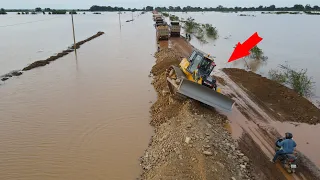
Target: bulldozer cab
204 64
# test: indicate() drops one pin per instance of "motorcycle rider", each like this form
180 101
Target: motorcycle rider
287 146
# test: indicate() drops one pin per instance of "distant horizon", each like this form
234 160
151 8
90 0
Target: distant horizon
152 6
139 4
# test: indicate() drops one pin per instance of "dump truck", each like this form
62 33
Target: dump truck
175 28
156 16
160 21
162 31
192 79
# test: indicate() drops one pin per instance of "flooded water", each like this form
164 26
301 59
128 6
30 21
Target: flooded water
76 119
286 38
250 118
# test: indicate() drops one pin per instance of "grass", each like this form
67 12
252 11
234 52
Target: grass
298 80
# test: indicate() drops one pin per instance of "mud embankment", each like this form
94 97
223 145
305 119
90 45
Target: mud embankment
193 142
281 102
40 63
190 140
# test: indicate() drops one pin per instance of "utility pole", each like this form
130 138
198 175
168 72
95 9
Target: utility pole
74 35
132 15
119 19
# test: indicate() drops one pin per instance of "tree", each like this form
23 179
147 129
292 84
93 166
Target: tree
298 7
149 8
47 9
308 7
38 9
271 8
2 11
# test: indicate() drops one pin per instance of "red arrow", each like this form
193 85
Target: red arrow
243 49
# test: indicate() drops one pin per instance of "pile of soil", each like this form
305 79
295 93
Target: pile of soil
190 140
280 101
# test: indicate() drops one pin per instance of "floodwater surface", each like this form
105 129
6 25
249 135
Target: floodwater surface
84 118
287 39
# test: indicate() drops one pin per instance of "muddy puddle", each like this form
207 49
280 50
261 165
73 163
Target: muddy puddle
248 117
84 118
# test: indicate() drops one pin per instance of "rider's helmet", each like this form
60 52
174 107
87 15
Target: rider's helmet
289 135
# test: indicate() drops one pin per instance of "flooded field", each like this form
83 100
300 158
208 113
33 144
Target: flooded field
88 117
84 118
287 38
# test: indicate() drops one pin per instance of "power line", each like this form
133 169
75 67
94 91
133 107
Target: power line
28 22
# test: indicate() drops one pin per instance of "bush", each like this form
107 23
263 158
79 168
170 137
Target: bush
59 12
277 76
191 26
165 14
174 18
73 12
211 31
297 80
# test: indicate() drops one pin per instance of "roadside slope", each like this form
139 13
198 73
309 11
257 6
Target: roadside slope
280 101
190 140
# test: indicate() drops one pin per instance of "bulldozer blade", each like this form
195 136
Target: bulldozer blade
205 95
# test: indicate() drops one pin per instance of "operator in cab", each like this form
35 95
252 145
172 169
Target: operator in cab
287 146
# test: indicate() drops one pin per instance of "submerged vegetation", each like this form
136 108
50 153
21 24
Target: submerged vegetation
247 15
165 14
58 12
280 12
312 13
298 80
73 12
211 31
173 18
257 54
199 30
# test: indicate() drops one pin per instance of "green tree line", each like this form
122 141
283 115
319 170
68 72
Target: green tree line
297 7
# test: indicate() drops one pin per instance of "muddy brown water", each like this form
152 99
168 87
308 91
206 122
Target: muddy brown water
86 118
282 41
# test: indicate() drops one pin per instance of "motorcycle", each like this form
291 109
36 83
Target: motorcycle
288 161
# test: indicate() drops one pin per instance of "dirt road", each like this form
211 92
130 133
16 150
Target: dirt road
194 142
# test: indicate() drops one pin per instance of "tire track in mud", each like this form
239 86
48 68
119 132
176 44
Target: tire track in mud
255 123
252 124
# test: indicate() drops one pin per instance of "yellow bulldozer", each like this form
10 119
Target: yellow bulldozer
192 79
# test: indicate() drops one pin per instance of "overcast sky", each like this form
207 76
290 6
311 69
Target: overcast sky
85 4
